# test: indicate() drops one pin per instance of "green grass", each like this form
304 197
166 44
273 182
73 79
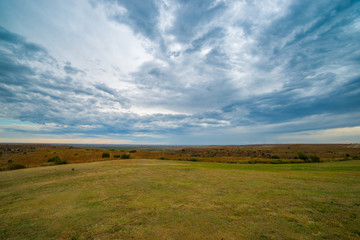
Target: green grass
156 199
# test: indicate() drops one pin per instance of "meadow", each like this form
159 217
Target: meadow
34 155
157 199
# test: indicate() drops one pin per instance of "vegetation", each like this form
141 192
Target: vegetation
12 166
154 199
122 156
57 160
15 166
302 156
125 156
54 159
38 155
306 158
314 158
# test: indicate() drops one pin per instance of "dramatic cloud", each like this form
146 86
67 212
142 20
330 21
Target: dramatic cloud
180 72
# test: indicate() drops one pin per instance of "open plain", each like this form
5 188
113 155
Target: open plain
157 199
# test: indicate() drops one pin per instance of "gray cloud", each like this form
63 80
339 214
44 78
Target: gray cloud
41 93
71 70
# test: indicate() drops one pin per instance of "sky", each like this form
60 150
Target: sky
180 72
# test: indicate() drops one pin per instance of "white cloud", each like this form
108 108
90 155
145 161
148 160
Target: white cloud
83 35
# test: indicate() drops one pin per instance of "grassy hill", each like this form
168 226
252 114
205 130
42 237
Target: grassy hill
154 199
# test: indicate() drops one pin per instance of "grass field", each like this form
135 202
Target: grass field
34 155
155 199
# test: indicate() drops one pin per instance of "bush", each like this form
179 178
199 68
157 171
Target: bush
133 151
15 166
193 159
315 158
277 161
12 167
54 159
125 156
57 160
302 156
116 156
275 157
61 162
105 155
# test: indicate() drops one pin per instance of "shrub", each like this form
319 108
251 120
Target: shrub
57 160
314 158
15 166
105 155
275 157
193 159
125 156
277 161
116 156
61 162
54 159
133 151
302 156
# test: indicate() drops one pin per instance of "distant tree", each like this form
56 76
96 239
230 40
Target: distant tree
315 158
125 156
57 160
105 155
54 159
302 156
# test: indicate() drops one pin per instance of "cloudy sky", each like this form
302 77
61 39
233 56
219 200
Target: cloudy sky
180 71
